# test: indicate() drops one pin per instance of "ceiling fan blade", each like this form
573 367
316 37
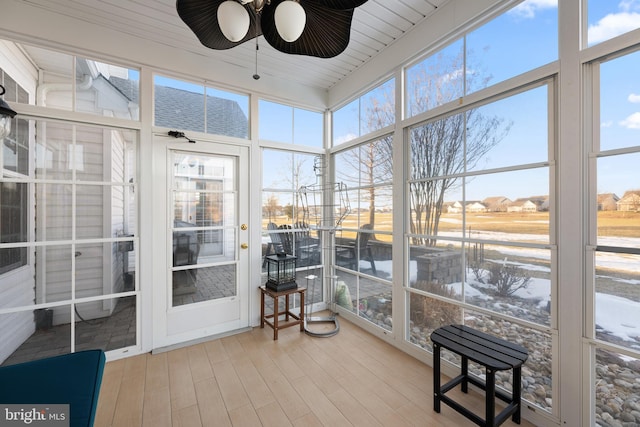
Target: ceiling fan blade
326 32
341 4
201 16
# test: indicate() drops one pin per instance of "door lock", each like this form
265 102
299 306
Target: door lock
244 246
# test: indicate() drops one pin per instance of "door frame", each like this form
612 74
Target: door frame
161 312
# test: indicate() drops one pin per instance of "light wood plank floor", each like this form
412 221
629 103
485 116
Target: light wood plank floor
350 379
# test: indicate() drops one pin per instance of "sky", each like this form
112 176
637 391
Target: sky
534 24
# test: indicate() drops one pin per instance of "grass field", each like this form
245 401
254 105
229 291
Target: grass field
610 223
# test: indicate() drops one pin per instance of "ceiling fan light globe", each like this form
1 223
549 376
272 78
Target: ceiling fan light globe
290 19
233 19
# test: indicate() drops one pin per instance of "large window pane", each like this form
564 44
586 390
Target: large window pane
346 123
55 205
15 146
276 122
511 280
536 372
283 123
377 109
620 101
436 80
614 383
13 222
372 111
26 331
54 150
178 104
437 269
617 299
512 131
615 291
54 272
227 113
106 89
433 214
619 201
203 284
308 128
608 19
428 314
492 57
508 206
108 324
54 71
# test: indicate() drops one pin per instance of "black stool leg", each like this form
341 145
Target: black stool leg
464 365
516 395
490 404
436 378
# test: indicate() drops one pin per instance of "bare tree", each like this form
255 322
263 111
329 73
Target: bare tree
439 150
299 172
271 206
373 160
442 149
438 154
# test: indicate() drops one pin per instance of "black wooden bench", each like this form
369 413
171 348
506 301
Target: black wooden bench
494 354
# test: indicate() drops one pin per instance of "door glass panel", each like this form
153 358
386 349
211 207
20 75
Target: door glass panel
203 228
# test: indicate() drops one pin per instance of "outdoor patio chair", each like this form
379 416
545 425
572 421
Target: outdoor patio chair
275 244
307 247
350 255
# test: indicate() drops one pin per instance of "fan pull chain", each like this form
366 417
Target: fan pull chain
256 76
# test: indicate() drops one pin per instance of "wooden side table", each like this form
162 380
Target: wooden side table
275 324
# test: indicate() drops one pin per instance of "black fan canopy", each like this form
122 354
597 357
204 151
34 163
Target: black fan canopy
325 34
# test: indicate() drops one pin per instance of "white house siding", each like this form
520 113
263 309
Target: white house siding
118 209
17 286
16 289
54 204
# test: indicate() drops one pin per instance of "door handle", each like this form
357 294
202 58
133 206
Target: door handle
244 246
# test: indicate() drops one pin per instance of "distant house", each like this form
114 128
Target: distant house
496 204
522 205
542 202
475 207
608 202
630 201
471 206
455 207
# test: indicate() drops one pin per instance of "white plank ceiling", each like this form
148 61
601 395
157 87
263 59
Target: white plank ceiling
376 26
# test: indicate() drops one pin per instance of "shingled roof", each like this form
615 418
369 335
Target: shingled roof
183 110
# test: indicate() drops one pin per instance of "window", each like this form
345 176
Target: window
615 232
73 83
282 123
69 217
370 112
607 19
189 106
106 90
363 245
485 56
479 225
288 217
14 218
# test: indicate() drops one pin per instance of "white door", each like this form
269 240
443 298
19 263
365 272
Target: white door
207 271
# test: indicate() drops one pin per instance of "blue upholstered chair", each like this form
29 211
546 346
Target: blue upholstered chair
72 379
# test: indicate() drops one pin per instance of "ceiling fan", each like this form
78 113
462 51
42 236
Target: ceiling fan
319 28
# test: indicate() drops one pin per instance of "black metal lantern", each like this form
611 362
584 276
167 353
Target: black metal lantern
281 272
6 114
